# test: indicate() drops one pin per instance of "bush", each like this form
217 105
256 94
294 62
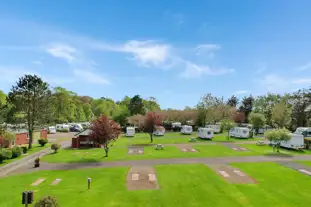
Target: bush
5 154
43 142
25 149
55 147
48 201
62 130
16 151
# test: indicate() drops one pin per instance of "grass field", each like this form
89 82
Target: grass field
173 138
266 150
180 185
121 153
308 163
35 148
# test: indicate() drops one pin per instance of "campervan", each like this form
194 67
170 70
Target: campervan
205 133
130 131
62 127
305 131
240 132
76 128
215 127
185 129
52 130
296 142
159 131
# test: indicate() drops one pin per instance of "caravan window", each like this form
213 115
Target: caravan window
208 132
244 131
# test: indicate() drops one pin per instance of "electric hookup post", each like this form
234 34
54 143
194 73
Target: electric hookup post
89 180
27 198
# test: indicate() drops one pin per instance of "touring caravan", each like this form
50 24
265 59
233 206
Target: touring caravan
215 127
130 131
205 133
240 132
159 131
60 127
305 131
52 130
296 142
185 129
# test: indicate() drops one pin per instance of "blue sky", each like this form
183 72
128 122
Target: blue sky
173 50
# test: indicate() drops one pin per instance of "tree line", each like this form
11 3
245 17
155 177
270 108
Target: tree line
33 101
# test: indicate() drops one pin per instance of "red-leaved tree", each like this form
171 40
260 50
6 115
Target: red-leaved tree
104 132
239 117
151 120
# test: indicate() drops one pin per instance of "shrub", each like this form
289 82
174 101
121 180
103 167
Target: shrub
55 147
5 154
48 201
63 130
277 136
16 151
42 142
25 149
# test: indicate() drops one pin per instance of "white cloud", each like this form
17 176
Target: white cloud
62 51
207 49
239 92
37 62
90 77
194 71
302 81
274 83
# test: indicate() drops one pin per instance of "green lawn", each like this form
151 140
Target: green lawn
121 153
35 148
180 186
266 150
308 163
173 138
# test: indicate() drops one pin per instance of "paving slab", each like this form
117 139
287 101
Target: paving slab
38 182
56 181
141 178
298 167
232 175
135 150
234 147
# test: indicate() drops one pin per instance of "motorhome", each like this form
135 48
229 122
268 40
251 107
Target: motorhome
130 131
52 130
296 142
240 132
215 127
305 131
205 133
185 129
159 131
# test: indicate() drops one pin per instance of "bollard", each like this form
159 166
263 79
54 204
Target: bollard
89 180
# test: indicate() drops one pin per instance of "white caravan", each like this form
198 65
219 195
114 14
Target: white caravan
130 131
159 131
305 131
240 132
186 129
296 142
176 124
215 127
62 126
52 130
205 133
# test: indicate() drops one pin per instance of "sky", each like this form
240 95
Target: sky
175 51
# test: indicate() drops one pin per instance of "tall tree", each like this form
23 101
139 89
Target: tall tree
204 108
151 120
30 97
233 101
281 114
121 115
136 105
247 106
2 98
264 105
151 104
104 132
301 111
257 120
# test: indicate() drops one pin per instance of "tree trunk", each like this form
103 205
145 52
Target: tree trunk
30 133
106 150
151 138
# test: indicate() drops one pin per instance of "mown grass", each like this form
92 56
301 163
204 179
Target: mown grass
121 153
268 150
180 186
